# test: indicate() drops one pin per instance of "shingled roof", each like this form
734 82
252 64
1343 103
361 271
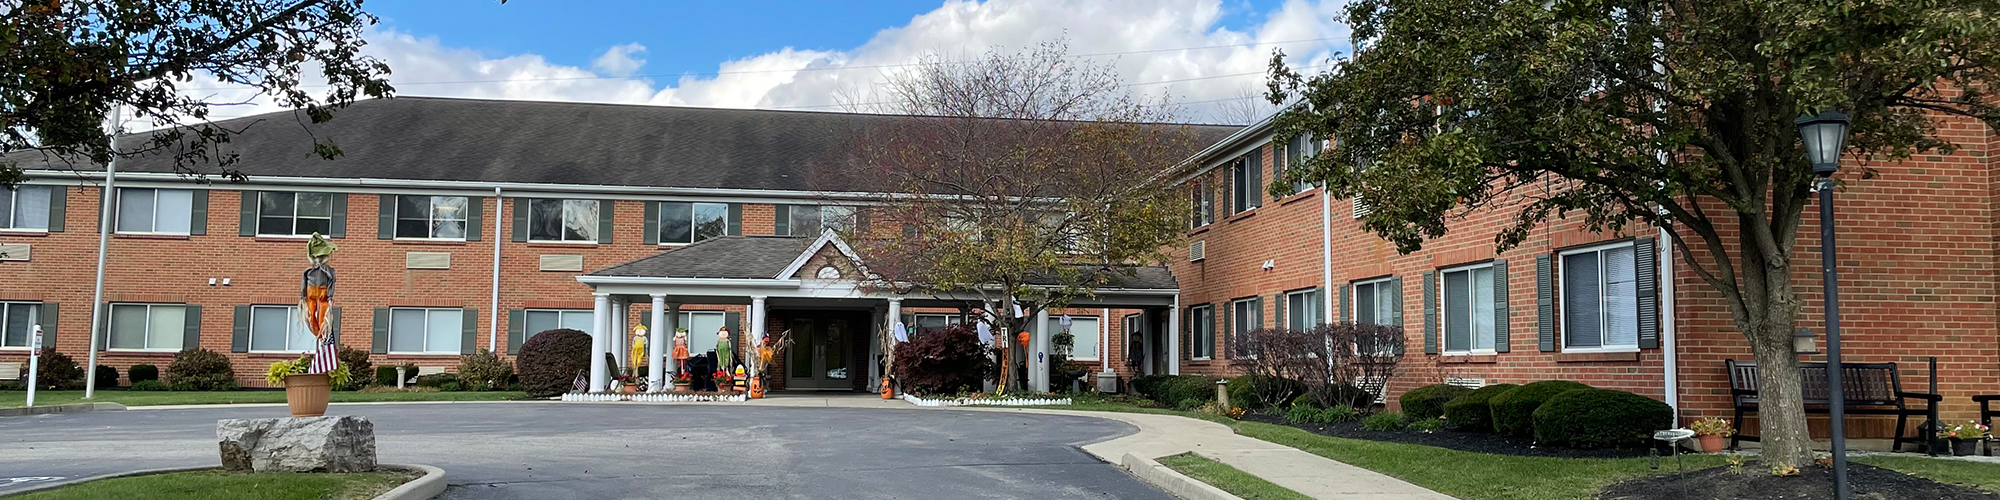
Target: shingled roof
764 257
454 139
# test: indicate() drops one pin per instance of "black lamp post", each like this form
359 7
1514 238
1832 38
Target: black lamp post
1825 136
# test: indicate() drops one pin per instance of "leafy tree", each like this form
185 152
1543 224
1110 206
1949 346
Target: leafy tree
65 64
1675 114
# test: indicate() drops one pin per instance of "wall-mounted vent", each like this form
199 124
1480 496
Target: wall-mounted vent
1469 383
1197 250
427 260
14 252
1361 207
560 262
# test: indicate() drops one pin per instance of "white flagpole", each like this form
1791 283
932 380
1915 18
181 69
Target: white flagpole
103 241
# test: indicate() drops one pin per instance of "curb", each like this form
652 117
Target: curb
147 472
1175 483
71 408
425 487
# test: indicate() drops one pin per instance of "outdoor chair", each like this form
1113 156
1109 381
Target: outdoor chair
1986 414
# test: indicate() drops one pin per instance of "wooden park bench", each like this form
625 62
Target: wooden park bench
1867 389
1986 414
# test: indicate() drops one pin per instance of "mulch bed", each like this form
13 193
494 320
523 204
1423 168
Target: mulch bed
1721 483
1476 442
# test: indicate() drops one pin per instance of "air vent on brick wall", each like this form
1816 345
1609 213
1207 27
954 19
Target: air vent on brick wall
1361 208
14 251
1469 383
428 260
1197 250
559 262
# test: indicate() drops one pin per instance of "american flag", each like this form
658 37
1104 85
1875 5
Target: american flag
325 358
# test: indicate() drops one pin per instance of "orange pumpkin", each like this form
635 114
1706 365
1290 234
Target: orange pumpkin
1023 336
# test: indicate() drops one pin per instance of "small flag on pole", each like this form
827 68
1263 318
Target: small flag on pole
325 358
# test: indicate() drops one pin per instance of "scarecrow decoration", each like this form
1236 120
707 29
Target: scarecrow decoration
725 357
680 350
638 350
315 299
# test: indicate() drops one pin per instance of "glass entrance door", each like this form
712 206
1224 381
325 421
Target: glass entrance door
818 357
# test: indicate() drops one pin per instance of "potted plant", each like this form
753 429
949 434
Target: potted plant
721 380
305 393
627 385
1710 431
1965 437
682 381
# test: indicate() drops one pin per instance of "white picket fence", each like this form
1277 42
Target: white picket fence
655 398
913 399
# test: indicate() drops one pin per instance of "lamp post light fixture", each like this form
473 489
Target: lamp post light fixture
1804 343
1825 136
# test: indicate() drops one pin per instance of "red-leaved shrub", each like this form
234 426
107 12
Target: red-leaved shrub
943 361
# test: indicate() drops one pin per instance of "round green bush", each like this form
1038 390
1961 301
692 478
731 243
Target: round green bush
200 370
550 361
1147 385
1600 418
356 361
1427 425
1385 421
385 376
1514 410
57 372
1470 412
148 385
1427 402
484 371
142 373
107 377
1176 389
1256 393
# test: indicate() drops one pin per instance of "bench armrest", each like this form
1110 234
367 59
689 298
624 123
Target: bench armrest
1985 398
1919 395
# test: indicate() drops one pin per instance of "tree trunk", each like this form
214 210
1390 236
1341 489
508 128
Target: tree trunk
1781 412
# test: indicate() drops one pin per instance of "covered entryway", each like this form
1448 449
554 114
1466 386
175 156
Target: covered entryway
827 348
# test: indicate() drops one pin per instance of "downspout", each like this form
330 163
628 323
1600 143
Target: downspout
1325 253
1670 354
493 313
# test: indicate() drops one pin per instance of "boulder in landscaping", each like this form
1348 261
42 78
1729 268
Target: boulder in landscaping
342 443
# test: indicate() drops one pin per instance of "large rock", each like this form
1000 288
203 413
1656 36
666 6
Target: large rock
312 444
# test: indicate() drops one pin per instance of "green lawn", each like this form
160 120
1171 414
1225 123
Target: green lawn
218 485
1230 479
1975 474
11 399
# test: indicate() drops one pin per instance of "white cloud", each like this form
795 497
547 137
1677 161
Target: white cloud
1217 69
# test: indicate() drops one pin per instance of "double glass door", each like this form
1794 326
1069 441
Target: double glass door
819 355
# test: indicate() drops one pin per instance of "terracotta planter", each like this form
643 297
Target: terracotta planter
1964 447
1711 443
682 386
629 388
307 394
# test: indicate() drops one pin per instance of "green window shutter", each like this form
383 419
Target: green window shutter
333 324
339 223
1430 313
246 218
1647 274
380 338
784 220
1319 305
191 329
1545 304
734 321
239 330
1396 301
198 213
606 219
652 223
736 219
1228 325
517 327
469 332
385 220
51 317
1280 320
1346 303
1501 321
58 214
1228 186
475 207
520 219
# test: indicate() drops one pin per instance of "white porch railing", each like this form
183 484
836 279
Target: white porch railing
913 399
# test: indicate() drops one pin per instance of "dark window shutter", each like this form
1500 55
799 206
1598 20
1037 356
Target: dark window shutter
1229 186
517 327
239 330
652 223
1396 301
520 219
58 214
469 332
784 220
1228 325
1647 272
191 329
1501 320
246 218
1254 191
606 219
1280 321
1545 304
1430 312
1319 306
474 221
734 321
379 338
385 220
1346 303
736 219
333 324
50 317
339 223
197 213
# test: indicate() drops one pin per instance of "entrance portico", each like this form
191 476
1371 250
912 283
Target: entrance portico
818 290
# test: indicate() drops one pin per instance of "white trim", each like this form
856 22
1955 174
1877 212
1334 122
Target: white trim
478 188
148 334
1562 300
252 339
1194 334
826 236
396 218
1444 308
14 211
1354 297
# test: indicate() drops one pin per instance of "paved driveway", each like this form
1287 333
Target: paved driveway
612 451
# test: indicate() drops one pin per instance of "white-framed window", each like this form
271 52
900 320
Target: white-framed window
701 327
1297 151
1202 204
294 214
562 221
1302 309
542 320
17 323
810 220
1201 322
279 329
1084 330
683 223
1134 334
425 330
1246 317
155 211
1375 302
1467 299
25 208
928 322
432 217
1600 298
147 327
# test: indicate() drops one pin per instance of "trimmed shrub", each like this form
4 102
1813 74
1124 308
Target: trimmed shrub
1427 402
1600 418
1336 415
200 370
13 385
1470 412
1514 410
1385 421
450 386
483 371
356 361
148 385
437 380
550 361
1178 389
944 361
1259 392
58 372
1147 385
385 376
107 377
1427 425
142 373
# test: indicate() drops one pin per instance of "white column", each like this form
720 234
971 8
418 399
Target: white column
1147 336
889 341
757 320
601 323
673 325
1173 335
658 347
618 332
1104 342
1038 356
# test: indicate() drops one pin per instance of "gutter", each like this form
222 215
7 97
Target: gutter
499 217
521 188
